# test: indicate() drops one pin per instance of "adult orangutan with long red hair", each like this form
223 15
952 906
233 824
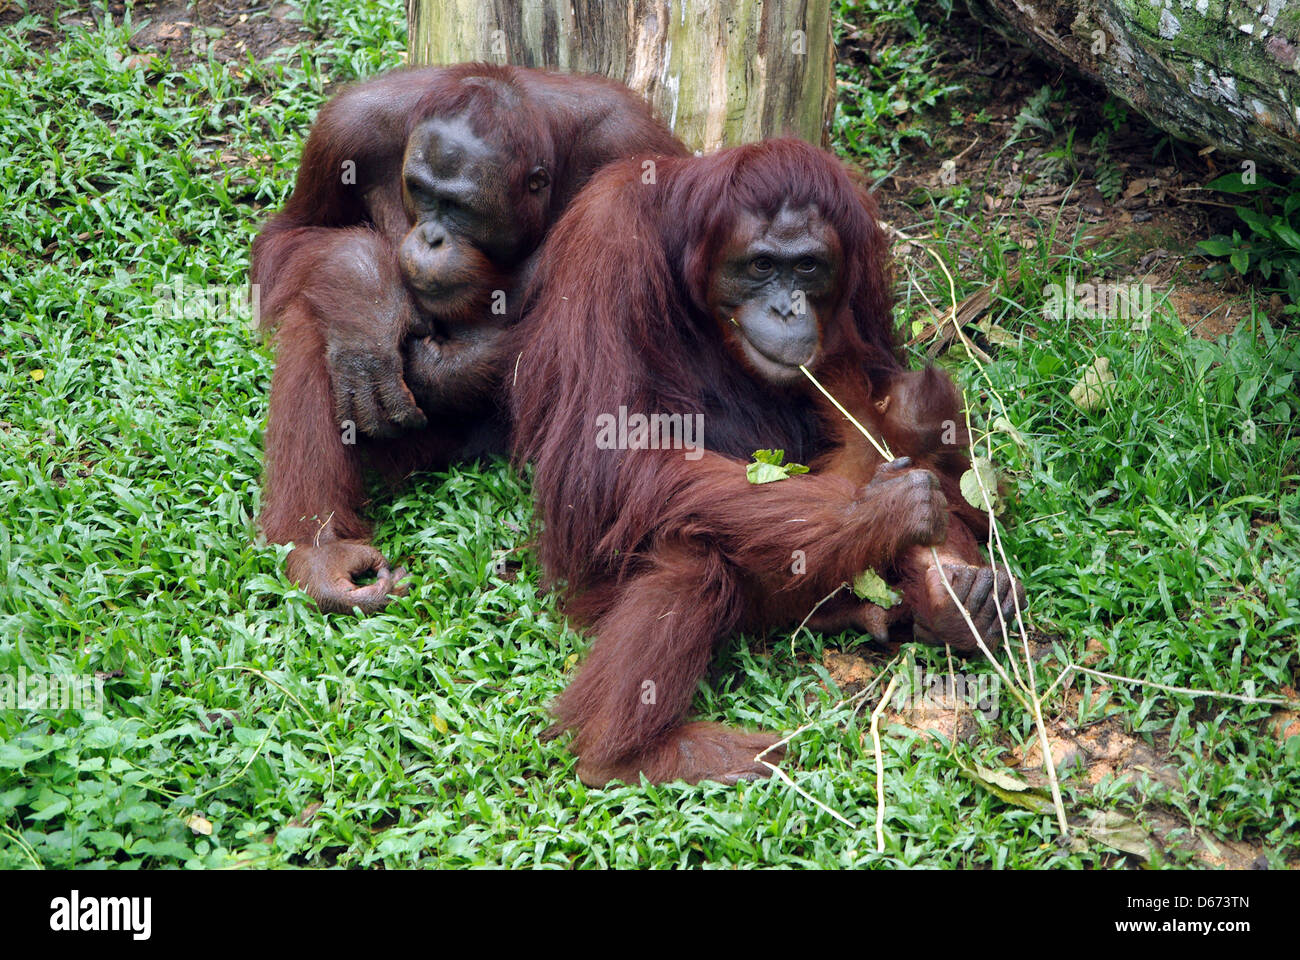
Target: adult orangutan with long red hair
392 275
701 294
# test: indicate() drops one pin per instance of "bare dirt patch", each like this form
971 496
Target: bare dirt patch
227 32
186 32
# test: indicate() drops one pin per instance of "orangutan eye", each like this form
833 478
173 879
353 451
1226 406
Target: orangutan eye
761 265
538 179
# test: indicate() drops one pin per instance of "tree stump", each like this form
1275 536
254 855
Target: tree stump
719 72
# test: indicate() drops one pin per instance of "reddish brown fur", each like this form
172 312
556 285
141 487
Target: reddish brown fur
662 556
329 262
920 415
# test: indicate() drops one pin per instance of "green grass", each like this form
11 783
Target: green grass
129 475
879 103
1165 527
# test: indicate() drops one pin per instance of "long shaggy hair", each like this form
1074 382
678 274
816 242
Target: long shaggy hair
616 317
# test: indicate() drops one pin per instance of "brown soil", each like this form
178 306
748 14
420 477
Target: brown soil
186 32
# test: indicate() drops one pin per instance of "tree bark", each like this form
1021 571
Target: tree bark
719 72
1209 71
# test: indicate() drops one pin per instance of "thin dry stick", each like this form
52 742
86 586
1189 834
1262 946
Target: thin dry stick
1028 698
880 448
1035 705
784 778
934 311
952 291
974 351
974 143
1244 698
979 641
1031 702
860 695
781 774
880 764
952 686
1028 683
320 528
1031 686
329 754
995 535
815 608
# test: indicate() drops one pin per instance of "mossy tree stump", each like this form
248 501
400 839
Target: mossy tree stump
1209 71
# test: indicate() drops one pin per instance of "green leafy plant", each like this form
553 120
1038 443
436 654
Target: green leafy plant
1271 246
1109 179
1115 113
769 466
1034 114
871 586
1059 163
878 101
